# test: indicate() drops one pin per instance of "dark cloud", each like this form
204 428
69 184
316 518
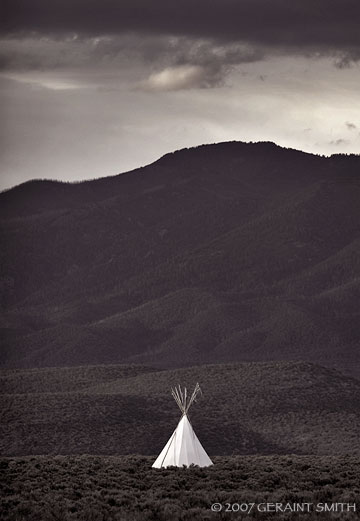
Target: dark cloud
161 62
174 44
350 126
36 52
33 52
297 23
346 59
338 142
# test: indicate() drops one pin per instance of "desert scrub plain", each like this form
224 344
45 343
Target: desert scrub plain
281 432
126 488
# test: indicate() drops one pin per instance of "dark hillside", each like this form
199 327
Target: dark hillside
228 252
256 408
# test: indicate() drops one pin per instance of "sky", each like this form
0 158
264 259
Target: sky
93 88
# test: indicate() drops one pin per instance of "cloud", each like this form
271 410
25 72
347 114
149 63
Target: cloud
338 142
283 23
151 62
347 58
43 81
171 45
36 52
350 126
183 77
197 63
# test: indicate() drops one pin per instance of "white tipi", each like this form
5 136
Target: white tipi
184 447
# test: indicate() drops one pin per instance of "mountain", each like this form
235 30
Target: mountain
250 408
222 253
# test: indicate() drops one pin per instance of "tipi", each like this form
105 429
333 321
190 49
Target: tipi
184 447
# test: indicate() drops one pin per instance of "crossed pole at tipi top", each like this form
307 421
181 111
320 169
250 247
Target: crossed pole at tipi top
181 397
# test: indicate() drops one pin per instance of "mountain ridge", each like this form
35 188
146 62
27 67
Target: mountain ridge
260 242
266 146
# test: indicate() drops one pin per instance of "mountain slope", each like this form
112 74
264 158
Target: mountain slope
227 252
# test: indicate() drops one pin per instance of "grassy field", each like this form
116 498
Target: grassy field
94 488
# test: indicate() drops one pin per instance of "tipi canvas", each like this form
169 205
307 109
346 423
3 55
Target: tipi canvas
184 447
